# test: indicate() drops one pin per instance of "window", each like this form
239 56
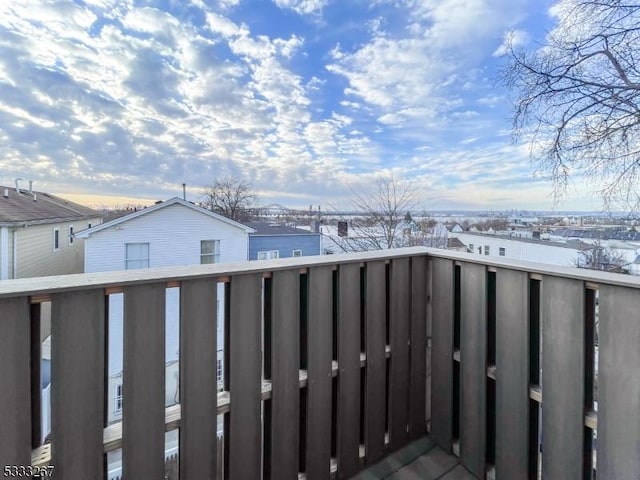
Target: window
268 254
136 255
486 249
209 251
56 238
296 253
70 234
219 370
88 225
117 404
501 251
471 247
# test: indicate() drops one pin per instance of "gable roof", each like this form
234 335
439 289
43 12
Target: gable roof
29 208
158 206
264 228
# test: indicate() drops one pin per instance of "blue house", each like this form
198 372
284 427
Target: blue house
278 241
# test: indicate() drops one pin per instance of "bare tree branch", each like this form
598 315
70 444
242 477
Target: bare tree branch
577 99
228 196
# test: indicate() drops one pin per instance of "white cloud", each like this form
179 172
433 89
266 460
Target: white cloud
303 7
511 39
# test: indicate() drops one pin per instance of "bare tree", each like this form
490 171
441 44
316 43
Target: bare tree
600 257
578 99
228 196
381 224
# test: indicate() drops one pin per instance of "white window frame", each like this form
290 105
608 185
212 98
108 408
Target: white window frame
214 256
268 254
296 252
117 399
471 248
502 251
128 260
70 234
56 239
487 249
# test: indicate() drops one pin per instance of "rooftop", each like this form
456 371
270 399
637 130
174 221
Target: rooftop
39 207
264 228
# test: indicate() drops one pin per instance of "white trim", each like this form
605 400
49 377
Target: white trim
15 255
4 253
295 250
172 201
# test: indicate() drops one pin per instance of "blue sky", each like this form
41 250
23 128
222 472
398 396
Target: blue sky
110 101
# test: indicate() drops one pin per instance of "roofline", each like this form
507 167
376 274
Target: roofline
49 221
172 201
282 234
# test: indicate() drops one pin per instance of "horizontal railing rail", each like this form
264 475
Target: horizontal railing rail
330 364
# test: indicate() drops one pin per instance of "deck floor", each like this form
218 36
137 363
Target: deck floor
422 460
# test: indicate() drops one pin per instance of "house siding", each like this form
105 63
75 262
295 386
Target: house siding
519 250
173 234
285 244
34 251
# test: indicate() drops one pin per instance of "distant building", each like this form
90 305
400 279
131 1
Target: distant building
551 253
37 233
270 241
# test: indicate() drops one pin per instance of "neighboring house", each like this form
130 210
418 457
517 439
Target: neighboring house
278 241
170 233
551 253
37 234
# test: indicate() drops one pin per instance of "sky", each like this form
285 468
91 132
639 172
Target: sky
115 102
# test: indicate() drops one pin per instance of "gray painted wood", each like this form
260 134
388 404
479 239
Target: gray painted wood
562 377
442 298
473 368
198 382
245 339
619 384
15 395
285 393
376 371
319 355
77 387
512 374
400 299
349 370
144 381
417 383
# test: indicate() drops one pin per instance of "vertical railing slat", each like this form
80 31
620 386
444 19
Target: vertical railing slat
376 371
285 350
417 384
77 387
143 422
198 382
400 300
512 374
348 436
473 368
618 454
562 377
15 402
319 353
245 326
442 312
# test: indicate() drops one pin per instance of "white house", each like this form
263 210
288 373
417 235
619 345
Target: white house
170 233
552 253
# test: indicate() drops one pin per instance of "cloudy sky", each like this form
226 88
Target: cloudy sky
109 101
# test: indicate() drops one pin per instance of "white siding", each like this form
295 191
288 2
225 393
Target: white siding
173 234
519 250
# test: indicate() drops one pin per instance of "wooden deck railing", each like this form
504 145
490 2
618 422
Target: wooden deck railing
331 363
